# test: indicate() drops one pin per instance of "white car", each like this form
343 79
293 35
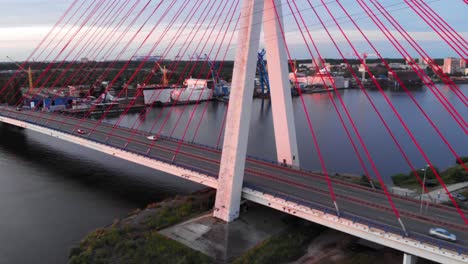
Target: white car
442 234
81 131
152 138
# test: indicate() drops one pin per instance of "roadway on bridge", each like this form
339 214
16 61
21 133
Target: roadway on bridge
270 178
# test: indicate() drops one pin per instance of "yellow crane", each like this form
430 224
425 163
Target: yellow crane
28 71
164 71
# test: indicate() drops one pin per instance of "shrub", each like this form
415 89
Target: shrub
463 159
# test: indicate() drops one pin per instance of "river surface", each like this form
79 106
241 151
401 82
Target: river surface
52 193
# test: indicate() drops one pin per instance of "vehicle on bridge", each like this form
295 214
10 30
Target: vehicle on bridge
460 197
152 137
81 131
442 234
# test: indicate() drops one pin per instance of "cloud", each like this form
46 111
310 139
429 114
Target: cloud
15 41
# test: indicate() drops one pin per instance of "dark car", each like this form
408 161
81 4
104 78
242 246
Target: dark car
460 197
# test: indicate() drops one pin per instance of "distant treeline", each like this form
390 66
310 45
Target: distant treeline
77 73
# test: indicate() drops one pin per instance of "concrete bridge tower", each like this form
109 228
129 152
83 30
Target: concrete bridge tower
231 173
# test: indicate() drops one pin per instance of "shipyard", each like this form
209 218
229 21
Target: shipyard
164 87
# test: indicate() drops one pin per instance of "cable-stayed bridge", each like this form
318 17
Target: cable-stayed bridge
111 31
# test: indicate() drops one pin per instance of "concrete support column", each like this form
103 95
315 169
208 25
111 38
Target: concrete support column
231 173
409 259
280 88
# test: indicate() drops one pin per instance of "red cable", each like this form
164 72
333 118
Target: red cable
40 44
61 28
222 61
437 70
322 162
105 26
222 127
209 25
197 32
177 35
139 68
361 161
85 21
443 22
449 42
384 188
120 54
442 99
350 68
129 61
185 68
392 107
106 57
47 57
123 33
421 51
80 52
134 131
413 169
194 9
89 16
411 96
200 73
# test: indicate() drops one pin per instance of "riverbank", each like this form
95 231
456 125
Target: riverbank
455 180
135 239
452 175
139 238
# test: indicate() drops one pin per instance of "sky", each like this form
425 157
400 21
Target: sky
24 23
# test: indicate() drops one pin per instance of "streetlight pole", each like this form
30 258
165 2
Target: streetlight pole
422 189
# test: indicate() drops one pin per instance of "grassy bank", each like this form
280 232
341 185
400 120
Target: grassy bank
135 239
451 175
288 246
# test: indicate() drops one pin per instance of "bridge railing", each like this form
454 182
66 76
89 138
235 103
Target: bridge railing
364 221
119 147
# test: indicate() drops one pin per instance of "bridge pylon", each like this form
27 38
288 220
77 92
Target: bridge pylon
232 167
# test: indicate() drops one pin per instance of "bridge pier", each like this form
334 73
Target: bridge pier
409 259
231 173
280 87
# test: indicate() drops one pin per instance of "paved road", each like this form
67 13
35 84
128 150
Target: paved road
273 178
440 195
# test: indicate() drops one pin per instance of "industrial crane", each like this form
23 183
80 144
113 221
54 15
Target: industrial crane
219 89
165 80
364 56
263 72
28 71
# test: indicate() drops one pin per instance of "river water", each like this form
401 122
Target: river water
52 193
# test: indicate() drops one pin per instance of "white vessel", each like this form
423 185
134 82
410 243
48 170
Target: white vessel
194 90
319 79
156 94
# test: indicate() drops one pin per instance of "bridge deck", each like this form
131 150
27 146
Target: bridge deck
267 177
